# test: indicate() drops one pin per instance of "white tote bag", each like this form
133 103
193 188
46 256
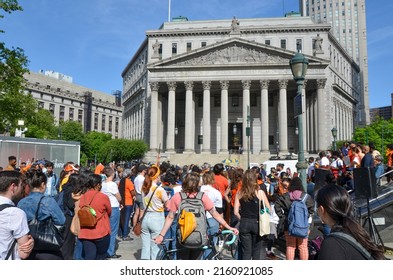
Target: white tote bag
264 219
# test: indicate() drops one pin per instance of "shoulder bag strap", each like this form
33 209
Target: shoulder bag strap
354 243
92 198
144 213
38 207
11 250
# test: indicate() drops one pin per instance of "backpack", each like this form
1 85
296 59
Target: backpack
314 246
87 215
192 224
298 218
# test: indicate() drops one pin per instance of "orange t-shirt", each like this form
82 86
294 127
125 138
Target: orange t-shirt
221 184
234 191
130 189
99 169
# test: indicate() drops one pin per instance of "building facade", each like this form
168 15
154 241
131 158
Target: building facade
348 21
96 111
193 87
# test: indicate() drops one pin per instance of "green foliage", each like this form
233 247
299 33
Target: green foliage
122 150
92 143
42 125
380 132
71 131
9 6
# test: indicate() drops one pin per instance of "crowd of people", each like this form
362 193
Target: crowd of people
121 196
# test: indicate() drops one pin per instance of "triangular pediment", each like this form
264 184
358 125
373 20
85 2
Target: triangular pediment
232 52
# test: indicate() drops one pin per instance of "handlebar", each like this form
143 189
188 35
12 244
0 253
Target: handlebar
227 232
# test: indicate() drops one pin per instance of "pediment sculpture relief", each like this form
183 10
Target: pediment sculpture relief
234 55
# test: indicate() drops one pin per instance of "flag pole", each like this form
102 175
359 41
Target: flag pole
169 10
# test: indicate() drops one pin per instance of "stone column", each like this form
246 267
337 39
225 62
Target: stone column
265 116
154 86
304 117
189 116
246 108
315 123
224 116
283 117
321 126
170 138
206 116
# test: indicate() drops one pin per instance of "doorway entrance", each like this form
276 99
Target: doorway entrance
235 135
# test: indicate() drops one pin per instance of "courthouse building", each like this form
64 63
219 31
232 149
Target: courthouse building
193 87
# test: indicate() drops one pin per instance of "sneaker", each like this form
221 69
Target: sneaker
114 257
128 238
271 256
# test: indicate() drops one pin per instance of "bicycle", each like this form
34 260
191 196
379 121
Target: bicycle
226 239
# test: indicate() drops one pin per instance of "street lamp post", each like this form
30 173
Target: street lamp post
248 133
298 66
334 134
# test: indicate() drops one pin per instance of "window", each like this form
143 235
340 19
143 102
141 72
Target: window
267 42
110 124
117 125
189 46
41 105
71 114
235 101
283 43
80 116
103 123
95 121
217 100
203 44
160 51
299 46
52 108
253 100
174 48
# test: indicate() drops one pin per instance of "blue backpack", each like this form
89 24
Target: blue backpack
298 218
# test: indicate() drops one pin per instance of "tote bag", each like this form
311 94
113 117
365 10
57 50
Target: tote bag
264 219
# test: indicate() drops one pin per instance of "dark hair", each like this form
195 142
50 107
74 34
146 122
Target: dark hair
237 175
191 183
295 185
35 178
7 178
12 158
94 180
83 181
218 168
49 164
338 205
108 171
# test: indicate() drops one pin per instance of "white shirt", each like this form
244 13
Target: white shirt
324 161
111 189
214 196
13 225
138 183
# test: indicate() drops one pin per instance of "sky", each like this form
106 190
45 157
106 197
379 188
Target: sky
93 40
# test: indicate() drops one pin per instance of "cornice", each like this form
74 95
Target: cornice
243 30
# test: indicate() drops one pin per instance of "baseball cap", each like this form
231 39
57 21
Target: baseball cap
70 167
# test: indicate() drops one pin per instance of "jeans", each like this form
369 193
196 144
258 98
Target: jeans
251 242
151 226
171 234
213 226
126 214
78 251
114 221
96 249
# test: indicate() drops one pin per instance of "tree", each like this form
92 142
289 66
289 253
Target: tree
42 125
380 132
92 143
13 65
122 150
71 131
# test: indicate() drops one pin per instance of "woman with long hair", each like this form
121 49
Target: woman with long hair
190 188
154 199
335 208
246 209
47 208
234 186
96 240
282 207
